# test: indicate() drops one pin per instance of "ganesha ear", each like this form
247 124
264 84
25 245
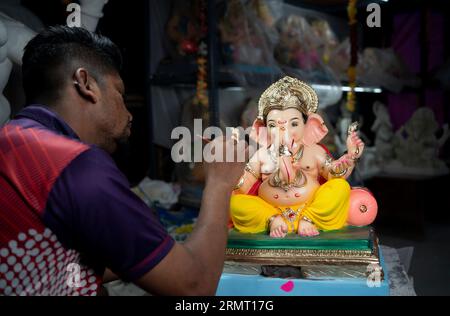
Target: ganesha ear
259 132
315 129
257 123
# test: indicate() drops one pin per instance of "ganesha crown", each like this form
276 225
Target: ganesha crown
287 93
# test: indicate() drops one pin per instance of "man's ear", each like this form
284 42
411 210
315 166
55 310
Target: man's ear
315 129
86 85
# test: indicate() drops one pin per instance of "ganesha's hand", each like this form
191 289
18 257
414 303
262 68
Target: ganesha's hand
355 146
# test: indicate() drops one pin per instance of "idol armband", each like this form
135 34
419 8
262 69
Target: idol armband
240 184
250 170
328 164
338 173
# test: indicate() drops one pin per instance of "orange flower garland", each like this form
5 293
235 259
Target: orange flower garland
351 71
201 101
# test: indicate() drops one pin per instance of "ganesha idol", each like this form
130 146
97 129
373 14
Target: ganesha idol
292 184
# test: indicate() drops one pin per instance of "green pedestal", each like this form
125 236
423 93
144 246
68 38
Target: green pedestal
351 245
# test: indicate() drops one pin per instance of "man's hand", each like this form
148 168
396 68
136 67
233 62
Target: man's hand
223 173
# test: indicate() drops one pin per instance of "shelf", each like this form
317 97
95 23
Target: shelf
184 76
332 6
358 89
184 83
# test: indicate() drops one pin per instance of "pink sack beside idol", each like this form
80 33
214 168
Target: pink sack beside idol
363 207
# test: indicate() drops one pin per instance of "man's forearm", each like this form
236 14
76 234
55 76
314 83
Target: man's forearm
109 276
208 240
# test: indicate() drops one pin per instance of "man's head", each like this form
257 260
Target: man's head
76 73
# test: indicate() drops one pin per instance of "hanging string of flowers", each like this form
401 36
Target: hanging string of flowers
351 71
200 101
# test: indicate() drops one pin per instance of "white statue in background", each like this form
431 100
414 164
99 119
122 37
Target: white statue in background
416 145
91 13
341 129
14 35
382 127
381 153
13 38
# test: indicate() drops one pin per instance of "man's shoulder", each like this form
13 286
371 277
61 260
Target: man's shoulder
31 160
36 137
55 154
36 151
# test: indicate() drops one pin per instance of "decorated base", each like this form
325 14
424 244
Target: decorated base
257 285
351 245
344 262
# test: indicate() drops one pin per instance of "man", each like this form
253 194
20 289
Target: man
67 215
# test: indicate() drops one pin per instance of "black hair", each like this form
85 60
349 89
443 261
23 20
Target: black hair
58 51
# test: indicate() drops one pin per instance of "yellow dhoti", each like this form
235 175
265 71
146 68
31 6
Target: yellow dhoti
328 209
